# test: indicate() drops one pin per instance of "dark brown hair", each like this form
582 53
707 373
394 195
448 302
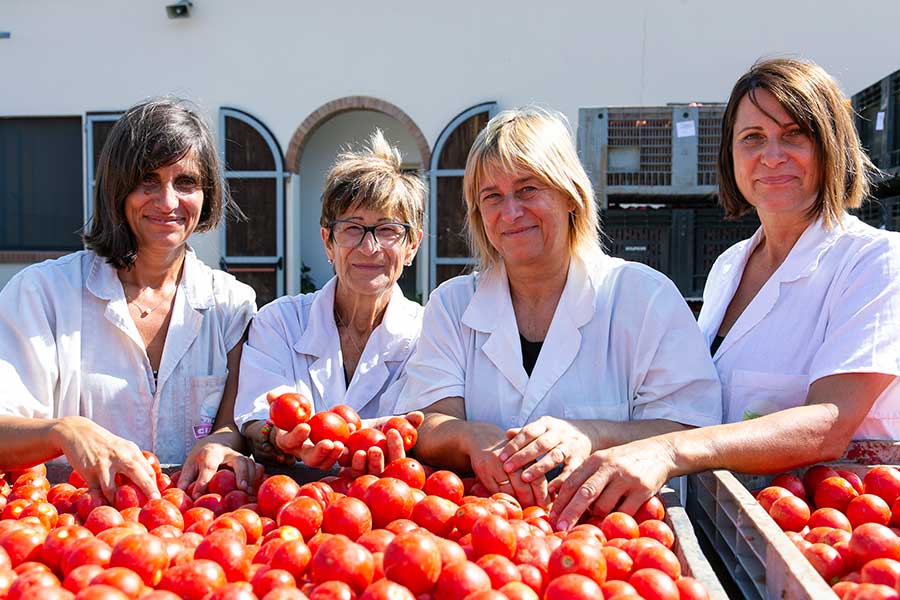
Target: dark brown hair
150 135
815 102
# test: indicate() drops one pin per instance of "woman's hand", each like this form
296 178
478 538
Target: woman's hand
321 455
618 478
374 460
98 456
261 441
209 454
544 444
484 445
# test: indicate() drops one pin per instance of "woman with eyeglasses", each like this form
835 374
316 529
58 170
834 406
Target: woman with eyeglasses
348 342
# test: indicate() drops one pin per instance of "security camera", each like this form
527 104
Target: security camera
179 10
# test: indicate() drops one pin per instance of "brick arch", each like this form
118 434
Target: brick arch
346 104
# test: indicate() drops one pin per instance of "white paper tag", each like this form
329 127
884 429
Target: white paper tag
685 129
879 121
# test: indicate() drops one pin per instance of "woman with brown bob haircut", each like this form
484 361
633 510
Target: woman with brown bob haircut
133 343
803 319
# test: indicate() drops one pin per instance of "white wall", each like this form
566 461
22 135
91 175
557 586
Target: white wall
346 129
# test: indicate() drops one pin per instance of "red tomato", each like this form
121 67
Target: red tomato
366 438
835 492
451 552
348 516
467 514
283 593
179 498
275 492
337 558
767 496
213 502
408 470
870 541
445 484
376 540
222 482
26 585
868 508
228 551
493 535
235 499
619 525
292 556
266 579
289 410
349 415
691 589
829 517
816 475
791 513
885 571
385 589
871 591
127 496
327 425
435 514
791 483
459 580
654 584
80 577
85 551
408 433
319 490
304 513
160 511
658 531
618 563
144 554
651 509
124 580
331 590
229 524
884 482
192 581
413 559
389 499
577 557
56 544
499 569
573 586
854 480
240 590
517 590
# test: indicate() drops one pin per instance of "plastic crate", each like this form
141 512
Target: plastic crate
650 151
687 548
760 558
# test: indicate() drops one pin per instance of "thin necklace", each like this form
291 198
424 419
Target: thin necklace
345 327
145 312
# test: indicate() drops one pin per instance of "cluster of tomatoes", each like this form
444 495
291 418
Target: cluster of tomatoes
338 424
846 526
408 534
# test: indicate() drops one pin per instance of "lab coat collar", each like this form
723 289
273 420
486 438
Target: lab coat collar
801 262
491 312
194 295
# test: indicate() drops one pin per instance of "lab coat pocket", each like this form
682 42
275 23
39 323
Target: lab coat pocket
205 397
756 393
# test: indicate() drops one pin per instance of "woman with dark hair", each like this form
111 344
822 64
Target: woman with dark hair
133 343
802 319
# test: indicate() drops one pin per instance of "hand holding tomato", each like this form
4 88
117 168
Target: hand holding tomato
99 456
544 444
401 435
619 478
214 450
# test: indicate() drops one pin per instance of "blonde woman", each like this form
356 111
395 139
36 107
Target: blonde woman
348 342
803 318
567 348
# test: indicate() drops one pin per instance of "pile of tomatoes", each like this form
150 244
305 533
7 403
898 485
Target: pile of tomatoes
405 535
846 526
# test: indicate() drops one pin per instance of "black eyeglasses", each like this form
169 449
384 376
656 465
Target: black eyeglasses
350 234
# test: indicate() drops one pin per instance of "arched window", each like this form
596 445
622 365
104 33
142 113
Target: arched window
253 249
447 210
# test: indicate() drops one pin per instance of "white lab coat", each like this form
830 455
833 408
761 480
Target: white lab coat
294 344
622 346
68 346
833 306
